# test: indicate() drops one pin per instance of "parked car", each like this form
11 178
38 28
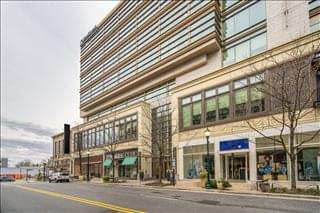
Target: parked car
59 177
7 179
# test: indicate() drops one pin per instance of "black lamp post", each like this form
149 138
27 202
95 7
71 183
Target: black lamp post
88 167
44 171
207 135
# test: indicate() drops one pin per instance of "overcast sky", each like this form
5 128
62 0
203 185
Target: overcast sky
40 54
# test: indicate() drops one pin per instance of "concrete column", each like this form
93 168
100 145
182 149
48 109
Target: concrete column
217 161
252 160
180 162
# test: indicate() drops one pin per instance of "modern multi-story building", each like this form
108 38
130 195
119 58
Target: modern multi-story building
155 74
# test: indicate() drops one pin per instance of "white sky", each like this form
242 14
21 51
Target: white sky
40 54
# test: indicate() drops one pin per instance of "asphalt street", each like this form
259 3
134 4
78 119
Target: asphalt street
82 197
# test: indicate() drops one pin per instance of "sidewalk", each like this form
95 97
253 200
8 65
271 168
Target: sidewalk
188 187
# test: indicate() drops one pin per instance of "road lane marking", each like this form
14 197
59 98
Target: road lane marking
159 197
81 200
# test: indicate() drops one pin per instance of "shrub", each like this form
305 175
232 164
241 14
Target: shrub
213 183
225 183
106 179
309 191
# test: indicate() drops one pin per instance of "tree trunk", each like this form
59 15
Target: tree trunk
160 169
113 167
293 172
80 163
292 156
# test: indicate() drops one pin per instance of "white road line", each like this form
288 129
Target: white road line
158 197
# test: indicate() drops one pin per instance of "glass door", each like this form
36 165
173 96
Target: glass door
235 167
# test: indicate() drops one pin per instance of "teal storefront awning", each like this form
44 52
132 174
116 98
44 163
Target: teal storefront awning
128 161
107 162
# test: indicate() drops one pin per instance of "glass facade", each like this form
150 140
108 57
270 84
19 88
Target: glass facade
185 37
195 160
309 164
112 132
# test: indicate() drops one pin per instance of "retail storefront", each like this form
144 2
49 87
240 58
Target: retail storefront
235 159
195 160
95 166
125 163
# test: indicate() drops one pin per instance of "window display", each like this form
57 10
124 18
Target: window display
272 165
309 164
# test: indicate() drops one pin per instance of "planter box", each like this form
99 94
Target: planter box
220 185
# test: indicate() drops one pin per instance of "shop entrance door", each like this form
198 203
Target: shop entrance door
236 167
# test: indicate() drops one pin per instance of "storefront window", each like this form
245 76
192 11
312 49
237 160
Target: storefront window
309 164
195 160
272 165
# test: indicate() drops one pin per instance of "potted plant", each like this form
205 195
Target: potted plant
203 177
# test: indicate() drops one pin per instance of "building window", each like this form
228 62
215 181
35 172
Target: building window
122 129
272 165
195 160
241 97
191 110
249 91
309 164
223 102
243 50
248 17
211 105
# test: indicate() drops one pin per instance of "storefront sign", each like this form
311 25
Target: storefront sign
232 145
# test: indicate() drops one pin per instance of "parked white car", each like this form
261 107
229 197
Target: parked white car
59 177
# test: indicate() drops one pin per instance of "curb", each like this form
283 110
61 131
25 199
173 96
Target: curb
216 191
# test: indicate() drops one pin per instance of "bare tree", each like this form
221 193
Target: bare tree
111 145
290 86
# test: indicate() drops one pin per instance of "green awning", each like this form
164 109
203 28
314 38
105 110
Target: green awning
128 161
107 162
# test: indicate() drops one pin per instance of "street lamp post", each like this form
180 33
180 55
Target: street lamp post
207 135
88 167
44 171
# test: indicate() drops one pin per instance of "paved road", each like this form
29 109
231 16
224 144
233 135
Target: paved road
81 197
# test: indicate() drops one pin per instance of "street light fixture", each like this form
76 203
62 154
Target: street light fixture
207 135
88 153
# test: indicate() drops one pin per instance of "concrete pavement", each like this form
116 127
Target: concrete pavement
144 199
